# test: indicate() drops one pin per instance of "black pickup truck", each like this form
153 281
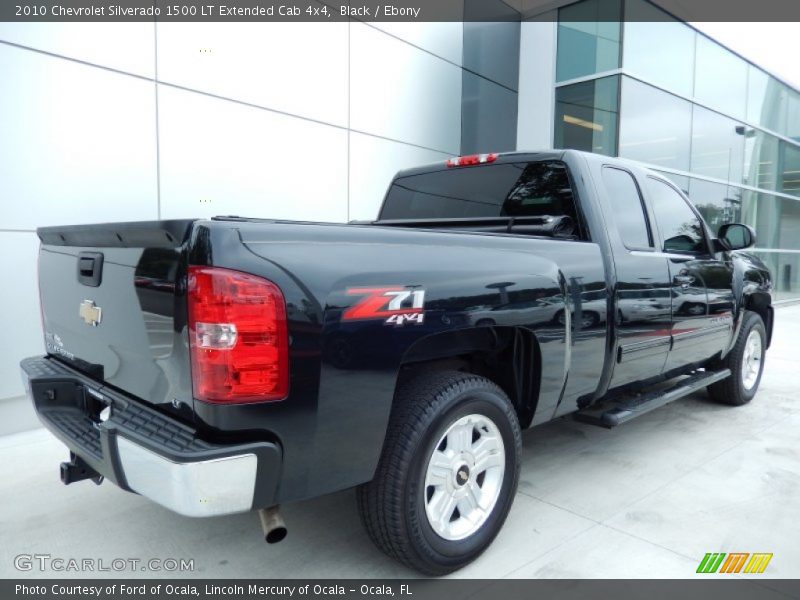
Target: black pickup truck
233 364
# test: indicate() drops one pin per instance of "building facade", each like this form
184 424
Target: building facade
629 80
103 122
136 121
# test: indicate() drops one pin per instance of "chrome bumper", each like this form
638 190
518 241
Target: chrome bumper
203 488
147 452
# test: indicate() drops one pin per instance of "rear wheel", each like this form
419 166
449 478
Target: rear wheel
448 473
746 362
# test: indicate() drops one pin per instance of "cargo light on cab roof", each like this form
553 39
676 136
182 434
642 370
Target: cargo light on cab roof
471 159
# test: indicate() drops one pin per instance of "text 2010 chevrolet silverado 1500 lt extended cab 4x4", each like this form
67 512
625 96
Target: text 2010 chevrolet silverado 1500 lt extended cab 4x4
227 365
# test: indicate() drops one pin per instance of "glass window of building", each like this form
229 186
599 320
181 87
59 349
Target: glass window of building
790 173
717 145
776 220
793 116
718 203
488 116
658 48
766 100
656 126
681 181
586 116
760 159
588 38
628 208
785 269
681 230
748 210
720 78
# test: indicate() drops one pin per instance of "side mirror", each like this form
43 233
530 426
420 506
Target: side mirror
736 236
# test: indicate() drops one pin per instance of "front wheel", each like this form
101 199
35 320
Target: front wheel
448 473
746 362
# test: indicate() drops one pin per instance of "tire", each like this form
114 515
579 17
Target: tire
742 385
395 506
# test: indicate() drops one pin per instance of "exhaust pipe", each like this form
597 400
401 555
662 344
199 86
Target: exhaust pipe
272 524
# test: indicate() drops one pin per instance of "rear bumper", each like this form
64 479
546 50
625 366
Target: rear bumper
147 452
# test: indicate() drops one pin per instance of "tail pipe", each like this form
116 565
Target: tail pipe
272 524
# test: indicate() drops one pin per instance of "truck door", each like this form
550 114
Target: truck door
702 284
642 303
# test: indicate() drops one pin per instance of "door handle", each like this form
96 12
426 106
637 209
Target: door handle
683 280
90 268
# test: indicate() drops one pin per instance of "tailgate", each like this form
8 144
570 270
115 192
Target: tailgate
113 305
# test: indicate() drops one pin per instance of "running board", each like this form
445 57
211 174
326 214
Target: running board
611 413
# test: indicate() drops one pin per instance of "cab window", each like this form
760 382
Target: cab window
681 229
629 215
498 190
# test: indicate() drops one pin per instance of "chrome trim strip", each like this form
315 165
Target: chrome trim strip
774 250
626 349
701 332
663 255
207 488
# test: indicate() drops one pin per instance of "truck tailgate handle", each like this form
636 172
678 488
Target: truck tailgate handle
90 268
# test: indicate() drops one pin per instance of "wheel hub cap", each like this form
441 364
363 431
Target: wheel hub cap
464 476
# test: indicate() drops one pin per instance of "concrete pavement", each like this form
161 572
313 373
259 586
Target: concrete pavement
647 499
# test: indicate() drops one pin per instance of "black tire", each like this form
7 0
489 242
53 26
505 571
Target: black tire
392 506
732 390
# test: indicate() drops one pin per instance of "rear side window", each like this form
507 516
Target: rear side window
680 227
497 190
626 202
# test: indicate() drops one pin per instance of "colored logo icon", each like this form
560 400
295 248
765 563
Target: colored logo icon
734 562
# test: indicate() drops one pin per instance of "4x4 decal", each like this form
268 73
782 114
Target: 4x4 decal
395 304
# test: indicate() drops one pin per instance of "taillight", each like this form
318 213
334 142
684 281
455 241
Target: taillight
237 337
472 159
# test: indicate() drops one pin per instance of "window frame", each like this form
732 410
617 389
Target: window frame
647 222
706 234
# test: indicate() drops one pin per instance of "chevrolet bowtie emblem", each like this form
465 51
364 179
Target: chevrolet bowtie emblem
90 313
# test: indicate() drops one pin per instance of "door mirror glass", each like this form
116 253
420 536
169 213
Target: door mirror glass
736 236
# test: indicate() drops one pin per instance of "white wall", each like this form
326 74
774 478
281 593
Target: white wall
111 122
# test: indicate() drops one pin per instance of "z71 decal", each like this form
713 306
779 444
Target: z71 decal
396 305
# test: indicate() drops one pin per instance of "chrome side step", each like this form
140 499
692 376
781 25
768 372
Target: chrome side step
610 413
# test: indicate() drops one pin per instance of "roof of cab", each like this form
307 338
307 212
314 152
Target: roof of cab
502 157
532 155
